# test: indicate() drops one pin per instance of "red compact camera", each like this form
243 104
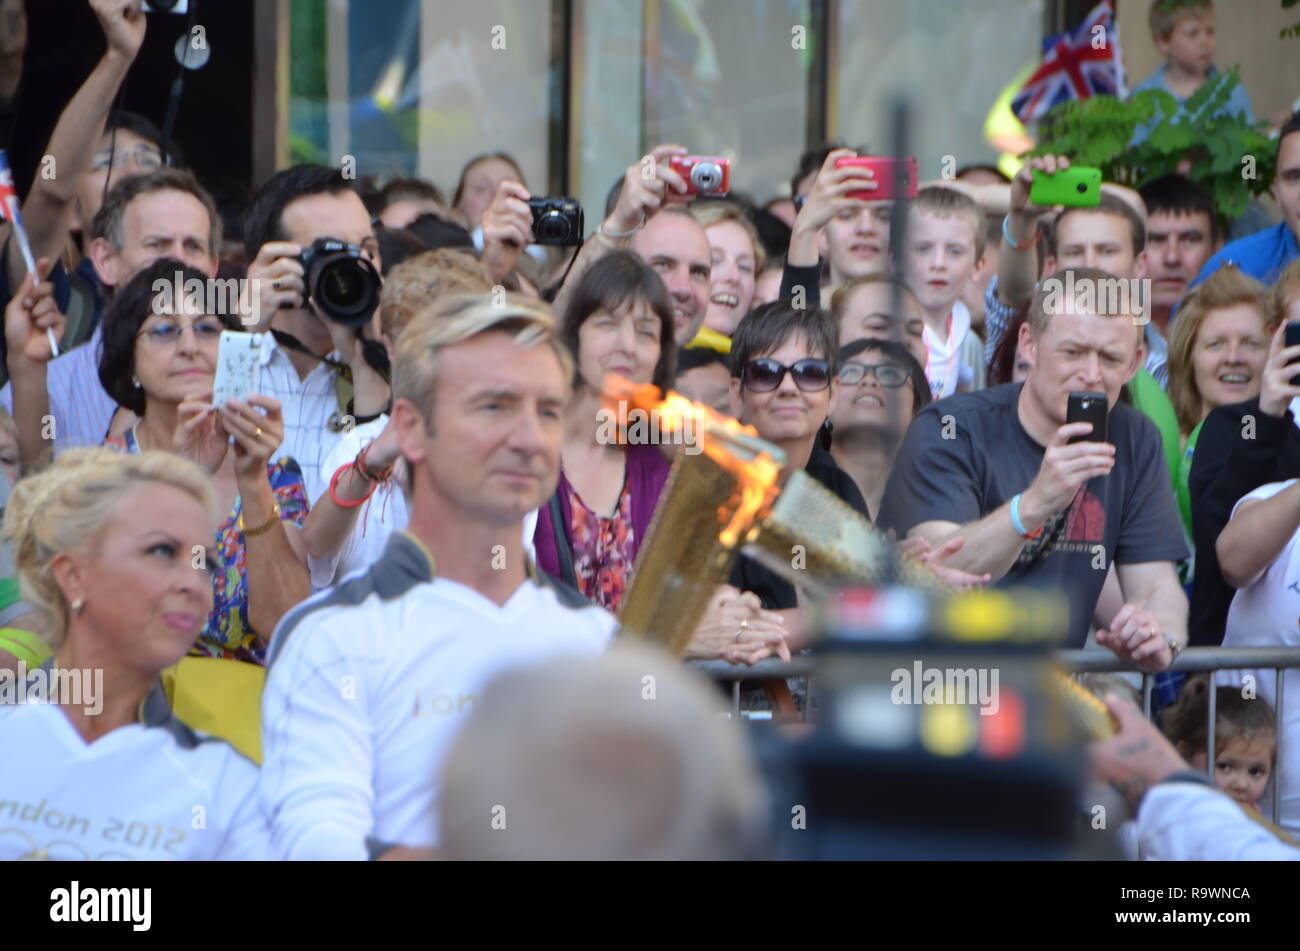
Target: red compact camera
704 175
894 178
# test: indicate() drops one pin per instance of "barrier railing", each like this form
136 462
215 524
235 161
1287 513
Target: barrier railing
1193 660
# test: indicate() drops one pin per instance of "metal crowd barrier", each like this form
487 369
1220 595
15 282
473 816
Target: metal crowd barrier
1191 661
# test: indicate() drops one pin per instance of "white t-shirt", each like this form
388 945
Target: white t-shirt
151 792
368 684
1192 822
384 513
944 368
1267 614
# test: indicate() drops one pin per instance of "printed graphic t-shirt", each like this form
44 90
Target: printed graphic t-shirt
965 456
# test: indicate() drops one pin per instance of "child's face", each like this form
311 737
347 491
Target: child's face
939 259
1191 44
1242 767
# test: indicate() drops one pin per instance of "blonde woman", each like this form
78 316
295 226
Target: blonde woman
738 258
1216 357
108 550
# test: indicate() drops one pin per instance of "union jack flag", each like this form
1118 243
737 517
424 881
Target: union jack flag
1076 65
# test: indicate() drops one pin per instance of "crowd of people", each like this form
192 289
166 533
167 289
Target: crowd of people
405 507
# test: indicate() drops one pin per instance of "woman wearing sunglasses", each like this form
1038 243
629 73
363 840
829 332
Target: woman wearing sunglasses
784 384
159 360
882 386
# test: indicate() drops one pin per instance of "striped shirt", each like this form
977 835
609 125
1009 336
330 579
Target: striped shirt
307 406
81 410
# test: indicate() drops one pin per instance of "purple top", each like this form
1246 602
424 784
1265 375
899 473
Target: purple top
647 472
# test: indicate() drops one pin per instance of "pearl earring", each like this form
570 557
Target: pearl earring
78 605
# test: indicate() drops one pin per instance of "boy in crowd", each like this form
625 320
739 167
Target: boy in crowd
1183 32
945 244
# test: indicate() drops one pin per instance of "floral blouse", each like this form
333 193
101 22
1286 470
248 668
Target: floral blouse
228 633
602 549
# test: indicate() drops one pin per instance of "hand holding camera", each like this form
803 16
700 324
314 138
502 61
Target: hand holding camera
647 184
123 23
507 230
836 188
1281 384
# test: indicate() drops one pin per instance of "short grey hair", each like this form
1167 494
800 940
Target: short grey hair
111 216
618 756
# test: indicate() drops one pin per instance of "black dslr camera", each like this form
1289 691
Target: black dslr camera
342 280
557 221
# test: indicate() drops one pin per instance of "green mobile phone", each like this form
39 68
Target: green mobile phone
1077 187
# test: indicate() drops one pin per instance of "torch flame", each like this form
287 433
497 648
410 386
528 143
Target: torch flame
756 477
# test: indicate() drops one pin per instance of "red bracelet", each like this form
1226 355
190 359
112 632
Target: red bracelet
374 475
341 503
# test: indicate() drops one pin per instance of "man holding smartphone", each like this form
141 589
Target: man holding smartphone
997 468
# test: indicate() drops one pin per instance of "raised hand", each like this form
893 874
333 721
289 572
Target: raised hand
507 230
30 313
123 22
1276 391
647 185
276 277
1065 468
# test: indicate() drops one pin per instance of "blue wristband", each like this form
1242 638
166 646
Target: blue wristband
1006 234
1018 525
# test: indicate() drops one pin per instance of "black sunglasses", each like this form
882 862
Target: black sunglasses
765 375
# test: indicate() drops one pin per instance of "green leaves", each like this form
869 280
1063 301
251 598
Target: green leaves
1230 158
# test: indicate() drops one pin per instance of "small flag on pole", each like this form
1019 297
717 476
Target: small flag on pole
1076 65
10 212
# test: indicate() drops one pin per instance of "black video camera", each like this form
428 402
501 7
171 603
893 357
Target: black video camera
342 280
557 221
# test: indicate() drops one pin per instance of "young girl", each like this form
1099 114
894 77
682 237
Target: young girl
1245 745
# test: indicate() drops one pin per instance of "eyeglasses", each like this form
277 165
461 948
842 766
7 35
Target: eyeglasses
147 158
886 374
765 375
168 333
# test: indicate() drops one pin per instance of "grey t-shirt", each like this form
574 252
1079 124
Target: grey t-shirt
965 456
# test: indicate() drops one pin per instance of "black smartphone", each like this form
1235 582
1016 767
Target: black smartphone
1293 338
1086 407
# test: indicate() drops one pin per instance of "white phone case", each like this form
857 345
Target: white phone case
238 364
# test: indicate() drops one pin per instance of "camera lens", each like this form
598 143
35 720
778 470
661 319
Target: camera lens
706 176
553 228
1081 188
342 285
342 282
